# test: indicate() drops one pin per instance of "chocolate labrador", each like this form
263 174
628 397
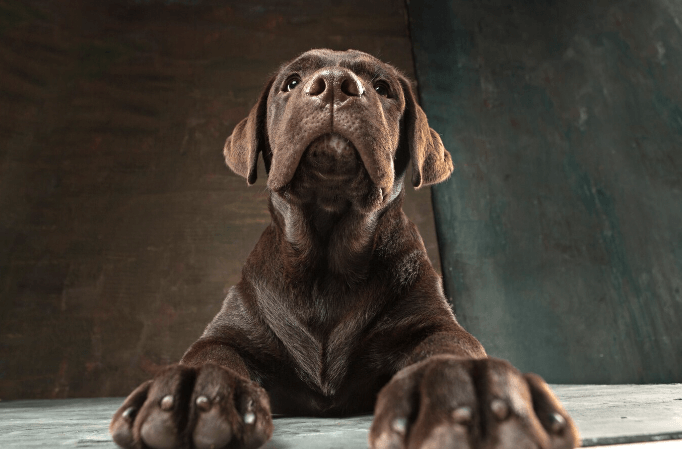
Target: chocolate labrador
339 310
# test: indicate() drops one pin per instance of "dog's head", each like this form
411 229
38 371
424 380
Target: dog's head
338 117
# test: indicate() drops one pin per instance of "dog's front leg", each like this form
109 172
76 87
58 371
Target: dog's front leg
205 401
449 400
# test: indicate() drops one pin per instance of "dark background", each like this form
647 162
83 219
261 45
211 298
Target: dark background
121 229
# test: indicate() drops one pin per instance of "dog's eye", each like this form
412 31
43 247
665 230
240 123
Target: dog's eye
292 83
381 87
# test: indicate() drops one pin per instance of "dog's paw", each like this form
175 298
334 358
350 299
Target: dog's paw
182 407
444 403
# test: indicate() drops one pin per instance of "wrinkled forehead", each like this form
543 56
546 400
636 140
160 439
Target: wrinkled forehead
362 64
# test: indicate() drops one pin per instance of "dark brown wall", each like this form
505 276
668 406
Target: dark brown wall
121 229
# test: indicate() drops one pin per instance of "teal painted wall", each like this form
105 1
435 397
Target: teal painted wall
561 228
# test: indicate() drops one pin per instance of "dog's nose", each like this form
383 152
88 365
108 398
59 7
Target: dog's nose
334 84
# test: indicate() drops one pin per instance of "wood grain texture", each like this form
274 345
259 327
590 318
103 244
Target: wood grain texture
604 415
121 229
560 229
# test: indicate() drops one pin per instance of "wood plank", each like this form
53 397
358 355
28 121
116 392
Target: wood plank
624 413
650 445
605 415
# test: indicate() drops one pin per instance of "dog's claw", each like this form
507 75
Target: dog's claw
129 414
249 418
167 403
500 409
399 425
557 422
203 403
462 415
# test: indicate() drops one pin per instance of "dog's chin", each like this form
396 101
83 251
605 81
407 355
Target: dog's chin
330 162
332 158
332 175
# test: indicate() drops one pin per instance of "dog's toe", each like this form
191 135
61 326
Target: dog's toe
159 431
561 429
212 429
121 427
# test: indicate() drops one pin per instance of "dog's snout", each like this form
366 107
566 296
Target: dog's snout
334 85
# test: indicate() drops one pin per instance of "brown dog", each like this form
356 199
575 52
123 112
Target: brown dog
339 310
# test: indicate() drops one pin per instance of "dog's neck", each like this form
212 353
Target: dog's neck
341 240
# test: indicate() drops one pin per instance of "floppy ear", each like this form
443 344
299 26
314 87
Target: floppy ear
248 139
431 163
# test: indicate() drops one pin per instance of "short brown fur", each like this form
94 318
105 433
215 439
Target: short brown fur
339 310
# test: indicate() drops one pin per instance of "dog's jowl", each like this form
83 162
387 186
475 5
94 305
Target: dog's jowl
339 310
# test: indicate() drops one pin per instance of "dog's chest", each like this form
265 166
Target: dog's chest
320 333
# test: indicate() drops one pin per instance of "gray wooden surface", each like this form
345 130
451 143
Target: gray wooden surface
605 415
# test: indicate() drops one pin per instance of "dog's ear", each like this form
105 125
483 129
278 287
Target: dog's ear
431 163
248 139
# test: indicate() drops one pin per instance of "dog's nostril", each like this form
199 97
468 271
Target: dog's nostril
317 86
351 88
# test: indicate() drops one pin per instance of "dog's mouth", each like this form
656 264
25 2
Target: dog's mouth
332 174
331 157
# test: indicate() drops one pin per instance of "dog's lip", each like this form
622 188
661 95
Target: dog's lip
280 179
